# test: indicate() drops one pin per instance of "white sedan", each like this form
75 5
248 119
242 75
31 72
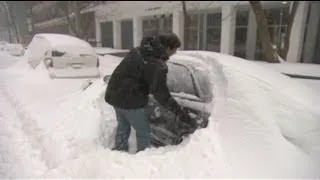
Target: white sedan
64 56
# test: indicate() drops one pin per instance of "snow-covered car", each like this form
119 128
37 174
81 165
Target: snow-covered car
64 56
190 85
14 49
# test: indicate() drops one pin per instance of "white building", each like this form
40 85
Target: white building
221 26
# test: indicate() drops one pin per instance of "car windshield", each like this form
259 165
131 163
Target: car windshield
179 80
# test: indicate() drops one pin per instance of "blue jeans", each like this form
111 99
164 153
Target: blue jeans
137 118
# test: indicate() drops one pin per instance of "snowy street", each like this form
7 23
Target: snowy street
19 155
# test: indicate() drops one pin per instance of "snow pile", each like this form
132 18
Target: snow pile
14 49
302 69
7 60
294 68
270 124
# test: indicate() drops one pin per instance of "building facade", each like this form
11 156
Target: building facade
220 26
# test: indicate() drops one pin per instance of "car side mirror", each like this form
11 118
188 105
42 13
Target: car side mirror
106 79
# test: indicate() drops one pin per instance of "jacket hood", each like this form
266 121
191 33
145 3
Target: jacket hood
151 47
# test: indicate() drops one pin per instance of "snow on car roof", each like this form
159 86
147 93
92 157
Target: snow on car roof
189 61
67 43
62 39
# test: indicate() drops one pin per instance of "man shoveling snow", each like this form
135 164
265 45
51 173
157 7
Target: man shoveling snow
141 72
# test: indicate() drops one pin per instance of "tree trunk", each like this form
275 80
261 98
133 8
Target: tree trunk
263 31
186 23
6 13
78 32
14 25
284 52
11 20
31 17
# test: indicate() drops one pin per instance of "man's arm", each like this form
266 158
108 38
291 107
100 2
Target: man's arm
160 90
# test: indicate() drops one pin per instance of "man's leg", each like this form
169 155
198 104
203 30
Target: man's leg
122 131
139 121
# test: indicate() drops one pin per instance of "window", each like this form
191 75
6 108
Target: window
107 34
214 20
167 24
240 42
213 39
277 24
191 41
151 27
241 36
213 32
242 18
180 80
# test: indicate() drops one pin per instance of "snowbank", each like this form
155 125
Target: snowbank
294 68
270 124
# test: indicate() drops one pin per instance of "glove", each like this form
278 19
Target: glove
185 117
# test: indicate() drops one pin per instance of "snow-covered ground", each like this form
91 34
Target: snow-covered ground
263 125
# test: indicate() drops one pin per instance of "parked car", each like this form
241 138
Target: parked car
191 87
14 49
64 56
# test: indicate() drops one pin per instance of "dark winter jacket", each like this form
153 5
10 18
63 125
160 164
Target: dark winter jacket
141 72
